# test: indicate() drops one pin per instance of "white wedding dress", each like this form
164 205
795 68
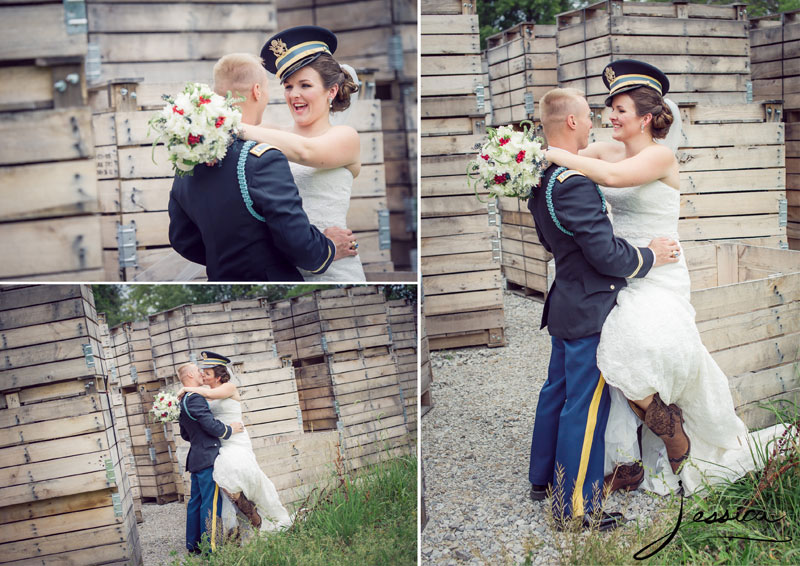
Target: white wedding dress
650 343
326 199
236 469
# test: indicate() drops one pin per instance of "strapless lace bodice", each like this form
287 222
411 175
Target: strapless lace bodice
326 200
230 411
645 212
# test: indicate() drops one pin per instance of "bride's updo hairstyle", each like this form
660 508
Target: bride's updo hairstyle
646 85
221 372
333 74
648 101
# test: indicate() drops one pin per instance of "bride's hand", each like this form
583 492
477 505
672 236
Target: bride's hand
244 132
181 393
555 155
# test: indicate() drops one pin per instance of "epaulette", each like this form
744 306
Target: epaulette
567 174
261 148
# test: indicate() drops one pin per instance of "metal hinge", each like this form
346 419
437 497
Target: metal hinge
110 475
384 230
134 374
148 435
75 17
93 65
126 244
481 98
749 91
783 245
324 344
492 209
300 419
403 404
152 454
783 209
528 103
275 349
88 355
495 249
169 451
116 501
396 52
411 214
336 407
389 331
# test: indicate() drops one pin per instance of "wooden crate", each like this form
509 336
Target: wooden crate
460 243
425 372
48 186
521 65
403 326
703 49
747 300
65 495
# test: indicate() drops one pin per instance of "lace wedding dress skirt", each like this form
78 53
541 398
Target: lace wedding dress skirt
236 469
326 199
650 343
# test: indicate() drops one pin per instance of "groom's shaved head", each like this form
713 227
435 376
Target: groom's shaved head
187 371
557 104
238 72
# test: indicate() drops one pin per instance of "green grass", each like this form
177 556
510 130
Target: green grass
369 520
773 490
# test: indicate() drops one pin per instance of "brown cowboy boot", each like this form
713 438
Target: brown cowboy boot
667 423
247 507
625 477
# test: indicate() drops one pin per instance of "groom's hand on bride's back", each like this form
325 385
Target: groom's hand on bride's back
666 250
343 239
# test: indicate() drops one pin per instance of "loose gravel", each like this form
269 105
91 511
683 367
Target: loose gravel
476 448
162 532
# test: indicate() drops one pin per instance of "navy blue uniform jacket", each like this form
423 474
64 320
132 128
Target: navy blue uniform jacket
210 222
591 265
202 430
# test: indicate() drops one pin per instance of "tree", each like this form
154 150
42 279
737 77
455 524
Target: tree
497 15
108 299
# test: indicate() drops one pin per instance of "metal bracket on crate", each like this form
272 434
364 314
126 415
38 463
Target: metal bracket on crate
153 454
749 92
75 17
193 357
481 97
148 435
529 103
403 403
411 214
300 419
110 475
396 52
783 211
384 230
134 374
113 372
389 332
93 64
324 342
116 501
126 244
492 208
495 249
336 407
169 451
88 355
275 349
783 245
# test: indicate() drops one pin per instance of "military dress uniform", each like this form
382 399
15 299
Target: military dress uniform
244 220
203 432
591 267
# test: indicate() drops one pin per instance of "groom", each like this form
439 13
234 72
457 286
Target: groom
243 218
567 449
203 431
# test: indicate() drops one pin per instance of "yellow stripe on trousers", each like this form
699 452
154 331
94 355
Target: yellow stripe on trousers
214 518
588 435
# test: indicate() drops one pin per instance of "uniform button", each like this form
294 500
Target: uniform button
612 287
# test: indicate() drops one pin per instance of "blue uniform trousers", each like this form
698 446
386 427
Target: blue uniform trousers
205 501
570 427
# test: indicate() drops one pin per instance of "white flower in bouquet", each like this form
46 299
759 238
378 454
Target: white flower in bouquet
510 163
166 407
197 125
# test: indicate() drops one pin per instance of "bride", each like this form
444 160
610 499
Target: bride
650 350
324 158
236 470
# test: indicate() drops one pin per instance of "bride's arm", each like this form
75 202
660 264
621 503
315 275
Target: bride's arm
222 392
650 164
340 146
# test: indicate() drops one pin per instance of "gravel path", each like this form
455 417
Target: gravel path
162 532
476 447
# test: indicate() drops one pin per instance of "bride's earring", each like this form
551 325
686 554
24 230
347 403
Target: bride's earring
330 103
642 127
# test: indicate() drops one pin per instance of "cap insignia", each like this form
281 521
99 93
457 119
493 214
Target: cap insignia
278 47
610 75
204 355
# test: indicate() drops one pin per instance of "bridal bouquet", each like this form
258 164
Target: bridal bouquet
198 126
509 164
166 407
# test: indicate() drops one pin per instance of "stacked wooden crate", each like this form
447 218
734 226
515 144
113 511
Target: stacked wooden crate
460 244
522 68
348 377
403 326
775 68
747 300
48 184
425 372
379 35
151 450
703 49
65 497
